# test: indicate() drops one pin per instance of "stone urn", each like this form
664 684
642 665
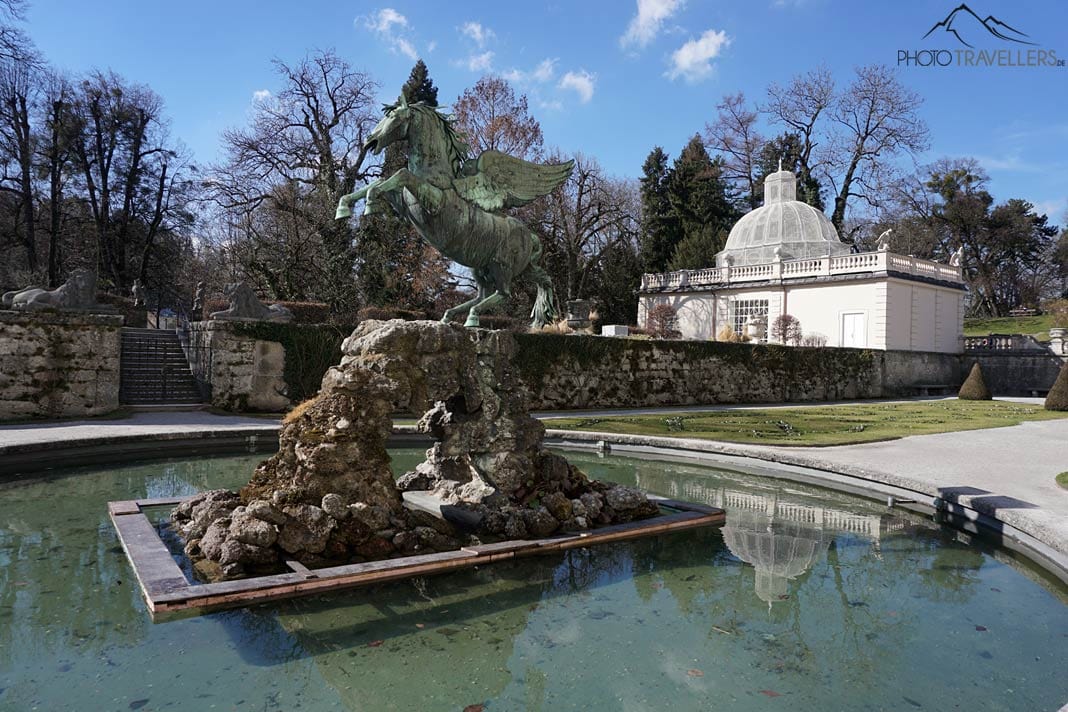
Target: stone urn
1058 340
578 313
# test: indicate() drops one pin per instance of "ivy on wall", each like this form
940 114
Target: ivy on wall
311 349
542 354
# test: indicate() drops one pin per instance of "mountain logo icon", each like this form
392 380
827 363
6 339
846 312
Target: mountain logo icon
964 24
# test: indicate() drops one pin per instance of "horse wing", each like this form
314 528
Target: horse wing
503 181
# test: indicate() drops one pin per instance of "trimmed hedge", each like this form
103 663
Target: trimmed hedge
974 387
311 349
1057 398
541 354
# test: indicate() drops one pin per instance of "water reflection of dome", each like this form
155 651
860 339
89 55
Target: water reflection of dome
779 550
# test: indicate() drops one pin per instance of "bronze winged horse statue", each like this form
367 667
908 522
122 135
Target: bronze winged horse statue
456 204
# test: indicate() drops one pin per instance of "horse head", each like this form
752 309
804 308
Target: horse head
393 126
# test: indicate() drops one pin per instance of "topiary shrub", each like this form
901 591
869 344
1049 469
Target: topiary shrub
786 329
1057 398
974 387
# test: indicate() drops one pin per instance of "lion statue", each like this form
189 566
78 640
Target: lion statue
78 293
244 304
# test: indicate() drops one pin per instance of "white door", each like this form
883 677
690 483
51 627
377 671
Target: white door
854 330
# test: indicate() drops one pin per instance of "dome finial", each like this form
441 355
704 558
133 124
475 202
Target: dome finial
780 163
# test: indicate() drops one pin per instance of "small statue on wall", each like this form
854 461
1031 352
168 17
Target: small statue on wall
198 301
956 258
138 293
78 293
244 304
884 241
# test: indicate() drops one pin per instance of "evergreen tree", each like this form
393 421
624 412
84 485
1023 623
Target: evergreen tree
420 87
660 230
698 249
787 146
699 196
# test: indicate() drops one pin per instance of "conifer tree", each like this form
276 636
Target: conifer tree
660 231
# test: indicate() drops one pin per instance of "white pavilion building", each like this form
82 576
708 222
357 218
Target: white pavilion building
785 257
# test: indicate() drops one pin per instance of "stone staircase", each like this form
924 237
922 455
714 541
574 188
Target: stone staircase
155 370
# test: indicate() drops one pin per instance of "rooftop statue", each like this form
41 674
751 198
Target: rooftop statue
456 203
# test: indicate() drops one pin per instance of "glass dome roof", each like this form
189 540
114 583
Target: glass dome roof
783 227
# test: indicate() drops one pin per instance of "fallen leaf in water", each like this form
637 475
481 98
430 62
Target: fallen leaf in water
784 597
981 628
475 708
695 673
375 643
138 704
998 590
420 625
770 693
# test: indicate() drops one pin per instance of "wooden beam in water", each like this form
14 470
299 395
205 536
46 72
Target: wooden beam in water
166 589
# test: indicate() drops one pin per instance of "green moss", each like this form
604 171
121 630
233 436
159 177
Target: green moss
542 354
311 349
1062 480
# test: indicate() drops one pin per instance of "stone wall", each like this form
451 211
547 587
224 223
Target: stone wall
1017 374
572 372
58 365
240 372
568 372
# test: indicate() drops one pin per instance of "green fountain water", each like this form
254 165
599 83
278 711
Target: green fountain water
806 600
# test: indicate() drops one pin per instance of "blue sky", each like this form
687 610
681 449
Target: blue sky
608 78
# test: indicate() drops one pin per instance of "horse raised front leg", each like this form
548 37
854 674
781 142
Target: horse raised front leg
396 183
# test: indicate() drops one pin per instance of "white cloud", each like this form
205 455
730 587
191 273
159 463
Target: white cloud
1056 209
553 105
581 82
479 62
544 72
405 47
383 21
651 16
387 23
432 46
261 95
693 60
481 35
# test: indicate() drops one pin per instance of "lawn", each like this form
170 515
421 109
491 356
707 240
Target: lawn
819 425
1037 326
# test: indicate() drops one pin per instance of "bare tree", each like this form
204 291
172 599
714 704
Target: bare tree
131 173
876 119
18 95
803 106
583 222
734 135
301 153
492 117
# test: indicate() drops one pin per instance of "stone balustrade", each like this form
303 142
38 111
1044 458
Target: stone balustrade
865 262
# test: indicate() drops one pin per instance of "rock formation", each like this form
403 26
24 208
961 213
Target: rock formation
329 497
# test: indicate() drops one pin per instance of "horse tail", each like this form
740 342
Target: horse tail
544 310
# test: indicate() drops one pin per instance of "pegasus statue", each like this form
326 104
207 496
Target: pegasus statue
457 204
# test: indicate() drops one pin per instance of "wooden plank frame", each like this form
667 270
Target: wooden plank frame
167 590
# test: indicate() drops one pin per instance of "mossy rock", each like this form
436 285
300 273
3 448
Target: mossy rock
1057 398
974 387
